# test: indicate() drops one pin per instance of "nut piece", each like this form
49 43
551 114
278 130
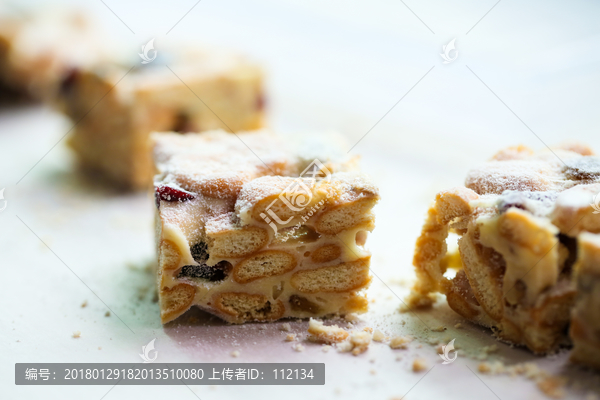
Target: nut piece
325 334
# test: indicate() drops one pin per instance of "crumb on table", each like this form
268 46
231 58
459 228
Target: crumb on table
419 365
325 334
552 386
298 347
360 342
290 337
286 327
378 336
400 342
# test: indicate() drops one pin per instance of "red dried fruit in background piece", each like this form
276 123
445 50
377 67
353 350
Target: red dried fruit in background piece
68 81
169 193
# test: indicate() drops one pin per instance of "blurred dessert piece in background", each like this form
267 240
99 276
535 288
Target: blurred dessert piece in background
261 227
116 96
39 49
116 106
520 219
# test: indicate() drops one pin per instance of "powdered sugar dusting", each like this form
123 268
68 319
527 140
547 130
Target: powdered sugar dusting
231 173
525 171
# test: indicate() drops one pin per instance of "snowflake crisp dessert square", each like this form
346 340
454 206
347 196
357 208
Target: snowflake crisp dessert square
260 227
527 226
196 91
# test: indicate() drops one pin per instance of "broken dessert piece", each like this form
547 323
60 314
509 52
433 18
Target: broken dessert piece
585 322
257 227
117 106
320 333
519 219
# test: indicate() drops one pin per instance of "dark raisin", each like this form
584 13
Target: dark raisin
582 169
183 124
505 205
300 303
200 252
571 245
170 193
215 273
68 82
534 202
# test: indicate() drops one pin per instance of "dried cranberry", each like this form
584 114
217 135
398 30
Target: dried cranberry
68 82
260 102
170 193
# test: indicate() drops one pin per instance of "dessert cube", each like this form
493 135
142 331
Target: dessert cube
258 227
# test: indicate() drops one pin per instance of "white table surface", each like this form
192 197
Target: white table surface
341 66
